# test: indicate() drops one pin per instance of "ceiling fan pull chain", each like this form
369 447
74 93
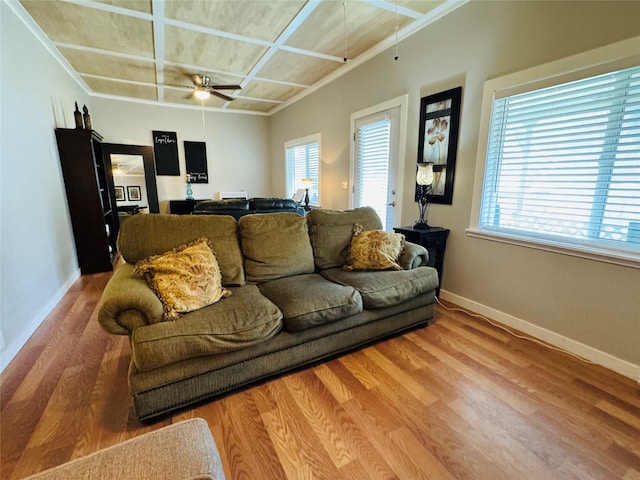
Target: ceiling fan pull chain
397 28
344 11
204 134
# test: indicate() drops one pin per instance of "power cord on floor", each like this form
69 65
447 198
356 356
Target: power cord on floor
511 332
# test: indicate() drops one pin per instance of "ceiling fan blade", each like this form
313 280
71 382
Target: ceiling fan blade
221 95
226 87
197 79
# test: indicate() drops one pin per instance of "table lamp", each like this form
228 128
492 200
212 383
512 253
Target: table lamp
306 184
424 179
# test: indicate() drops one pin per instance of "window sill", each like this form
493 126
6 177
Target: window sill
626 259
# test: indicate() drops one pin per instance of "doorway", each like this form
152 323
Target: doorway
379 140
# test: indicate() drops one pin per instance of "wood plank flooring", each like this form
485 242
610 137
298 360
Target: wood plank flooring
459 399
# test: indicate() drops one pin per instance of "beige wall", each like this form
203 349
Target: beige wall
585 301
38 260
237 145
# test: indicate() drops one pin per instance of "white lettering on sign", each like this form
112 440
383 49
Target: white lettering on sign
165 139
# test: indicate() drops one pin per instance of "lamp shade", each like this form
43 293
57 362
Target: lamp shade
307 183
201 93
425 174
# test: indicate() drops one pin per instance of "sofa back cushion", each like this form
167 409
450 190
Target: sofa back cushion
272 204
275 245
142 236
330 232
226 204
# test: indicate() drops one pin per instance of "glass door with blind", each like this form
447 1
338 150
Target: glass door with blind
375 164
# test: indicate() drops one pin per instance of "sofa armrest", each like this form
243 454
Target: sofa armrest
128 303
413 256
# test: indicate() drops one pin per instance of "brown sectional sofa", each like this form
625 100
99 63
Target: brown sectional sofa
291 304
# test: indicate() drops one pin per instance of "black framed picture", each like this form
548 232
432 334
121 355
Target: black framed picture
438 141
133 192
165 149
195 154
119 193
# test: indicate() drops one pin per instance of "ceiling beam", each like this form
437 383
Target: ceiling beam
157 7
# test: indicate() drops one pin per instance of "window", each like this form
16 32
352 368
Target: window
303 161
562 164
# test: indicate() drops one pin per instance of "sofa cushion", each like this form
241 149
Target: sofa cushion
330 232
275 245
311 300
184 279
374 250
258 203
142 236
225 204
386 288
240 321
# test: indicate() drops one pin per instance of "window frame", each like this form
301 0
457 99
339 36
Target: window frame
297 142
602 60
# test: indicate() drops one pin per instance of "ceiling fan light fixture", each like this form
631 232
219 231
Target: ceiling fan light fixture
201 93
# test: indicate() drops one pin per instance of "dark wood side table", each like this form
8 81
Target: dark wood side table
182 207
434 239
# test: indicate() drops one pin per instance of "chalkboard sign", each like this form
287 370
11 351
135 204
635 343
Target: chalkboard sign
165 148
195 154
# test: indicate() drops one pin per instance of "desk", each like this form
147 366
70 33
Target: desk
434 239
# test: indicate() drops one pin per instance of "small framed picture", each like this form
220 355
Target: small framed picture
119 194
133 192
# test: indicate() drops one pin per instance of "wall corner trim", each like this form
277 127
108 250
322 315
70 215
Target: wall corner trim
567 344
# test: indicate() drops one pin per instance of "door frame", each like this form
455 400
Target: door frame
401 101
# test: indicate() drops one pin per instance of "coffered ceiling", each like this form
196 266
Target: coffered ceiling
276 50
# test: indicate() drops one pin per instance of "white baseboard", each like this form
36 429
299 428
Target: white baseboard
10 351
564 343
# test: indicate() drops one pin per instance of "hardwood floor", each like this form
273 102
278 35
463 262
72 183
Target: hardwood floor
458 399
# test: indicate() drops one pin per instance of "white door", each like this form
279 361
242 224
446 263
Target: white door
376 152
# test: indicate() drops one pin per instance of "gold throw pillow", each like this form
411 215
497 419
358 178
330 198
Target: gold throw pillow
184 279
374 250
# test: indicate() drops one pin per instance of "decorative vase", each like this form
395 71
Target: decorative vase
87 117
189 191
77 115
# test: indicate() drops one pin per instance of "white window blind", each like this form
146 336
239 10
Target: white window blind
374 142
563 163
303 161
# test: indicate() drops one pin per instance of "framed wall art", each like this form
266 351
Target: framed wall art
195 155
119 193
165 149
133 192
438 141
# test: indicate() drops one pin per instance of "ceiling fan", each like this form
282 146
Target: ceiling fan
202 88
